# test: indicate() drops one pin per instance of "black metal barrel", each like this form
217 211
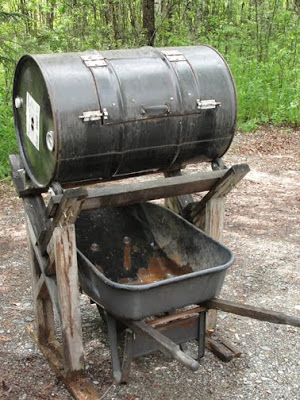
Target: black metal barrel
101 115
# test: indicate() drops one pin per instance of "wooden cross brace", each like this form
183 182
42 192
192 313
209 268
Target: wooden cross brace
60 240
59 292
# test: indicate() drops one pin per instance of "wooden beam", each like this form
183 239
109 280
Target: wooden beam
68 296
35 209
120 195
124 194
176 316
246 310
221 188
69 208
23 185
42 262
177 203
50 267
214 218
40 290
42 302
79 386
214 224
221 348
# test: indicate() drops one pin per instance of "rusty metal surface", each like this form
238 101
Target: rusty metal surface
143 259
122 112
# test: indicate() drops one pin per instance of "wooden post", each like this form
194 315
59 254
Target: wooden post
59 241
178 203
64 247
214 223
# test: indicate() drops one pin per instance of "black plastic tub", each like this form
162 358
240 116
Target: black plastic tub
143 259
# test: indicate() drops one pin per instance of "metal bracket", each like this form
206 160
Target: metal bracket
174 55
207 104
88 116
94 60
218 164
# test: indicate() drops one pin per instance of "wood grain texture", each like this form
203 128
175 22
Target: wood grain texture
68 297
249 311
119 195
68 209
79 385
43 308
214 224
221 188
23 185
177 203
42 262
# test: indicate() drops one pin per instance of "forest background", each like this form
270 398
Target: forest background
260 40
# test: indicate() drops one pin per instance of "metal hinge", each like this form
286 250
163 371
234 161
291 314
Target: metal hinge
94 115
173 55
94 60
207 104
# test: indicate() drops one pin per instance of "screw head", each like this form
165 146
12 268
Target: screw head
18 102
50 140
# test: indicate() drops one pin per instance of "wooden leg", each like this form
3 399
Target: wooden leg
214 222
68 296
42 302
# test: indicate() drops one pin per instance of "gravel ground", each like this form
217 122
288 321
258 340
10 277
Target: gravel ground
262 229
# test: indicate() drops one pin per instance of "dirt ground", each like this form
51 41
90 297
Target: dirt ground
262 229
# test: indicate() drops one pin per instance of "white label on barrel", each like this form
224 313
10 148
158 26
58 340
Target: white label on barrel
33 120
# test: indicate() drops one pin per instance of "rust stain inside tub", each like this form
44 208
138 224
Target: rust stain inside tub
159 268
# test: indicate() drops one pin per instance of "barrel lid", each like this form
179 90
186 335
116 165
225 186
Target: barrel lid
34 122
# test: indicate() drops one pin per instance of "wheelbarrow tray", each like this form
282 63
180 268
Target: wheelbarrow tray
115 244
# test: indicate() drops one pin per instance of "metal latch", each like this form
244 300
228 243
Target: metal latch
207 104
173 55
94 60
94 115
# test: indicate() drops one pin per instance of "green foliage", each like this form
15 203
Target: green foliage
8 143
259 39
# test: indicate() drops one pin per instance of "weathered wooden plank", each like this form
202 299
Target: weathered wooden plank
222 349
174 317
67 212
214 224
249 311
24 187
40 289
68 297
221 188
42 304
80 385
214 218
119 195
53 205
50 267
35 209
42 263
177 203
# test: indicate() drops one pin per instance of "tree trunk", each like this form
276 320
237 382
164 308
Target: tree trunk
114 10
149 21
50 14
